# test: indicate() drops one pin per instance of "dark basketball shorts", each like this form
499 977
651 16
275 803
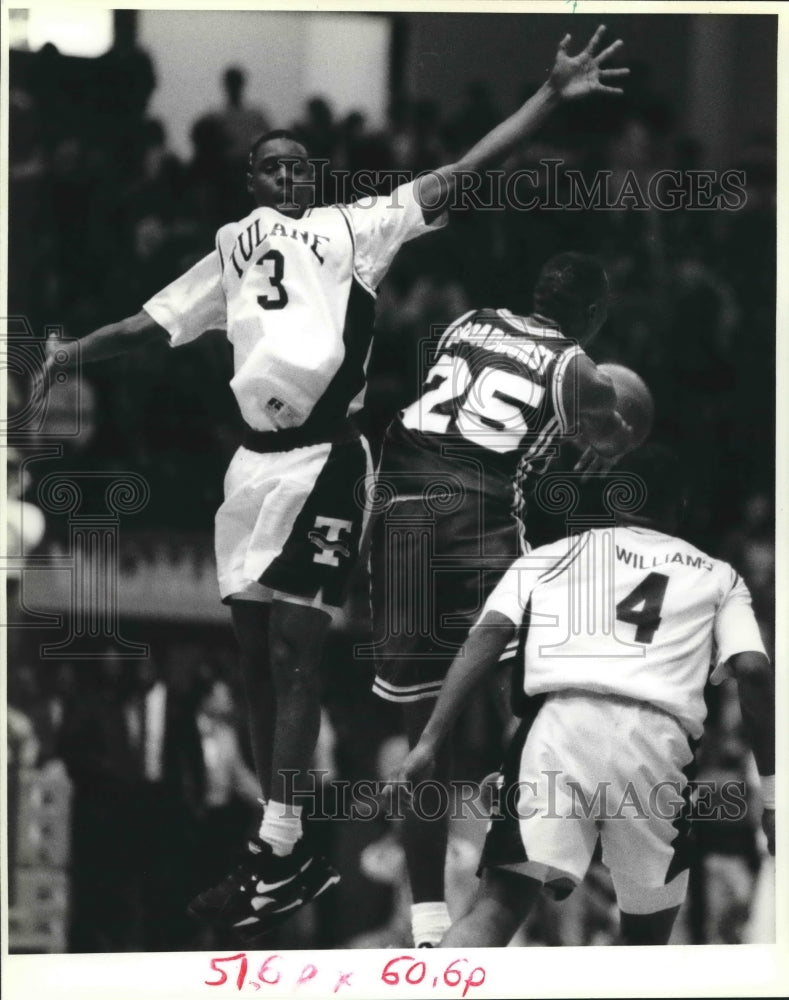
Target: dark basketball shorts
291 523
435 559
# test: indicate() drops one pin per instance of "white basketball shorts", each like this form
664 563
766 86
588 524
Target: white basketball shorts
594 766
291 523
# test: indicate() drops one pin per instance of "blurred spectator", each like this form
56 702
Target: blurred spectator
210 195
132 750
57 682
240 123
97 749
750 548
50 94
26 171
23 695
231 788
321 135
23 752
127 80
359 149
162 718
157 188
318 130
400 131
233 128
427 148
24 521
728 858
75 203
228 817
478 115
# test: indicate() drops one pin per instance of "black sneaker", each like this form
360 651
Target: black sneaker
317 875
274 883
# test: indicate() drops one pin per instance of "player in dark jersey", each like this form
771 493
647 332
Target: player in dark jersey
294 286
499 391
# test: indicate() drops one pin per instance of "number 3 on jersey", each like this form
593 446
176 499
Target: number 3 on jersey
643 605
273 265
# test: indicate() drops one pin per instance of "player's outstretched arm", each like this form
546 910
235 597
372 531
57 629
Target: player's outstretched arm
106 342
756 690
589 399
478 657
572 77
115 338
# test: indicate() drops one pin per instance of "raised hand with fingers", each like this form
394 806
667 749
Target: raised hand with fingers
592 463
600 459
576 76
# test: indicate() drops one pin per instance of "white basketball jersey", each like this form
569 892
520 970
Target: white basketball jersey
627 611
296 297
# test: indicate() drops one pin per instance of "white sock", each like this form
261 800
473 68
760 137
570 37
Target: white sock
281 826
429 923
252 845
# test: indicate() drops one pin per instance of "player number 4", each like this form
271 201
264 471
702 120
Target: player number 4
643 605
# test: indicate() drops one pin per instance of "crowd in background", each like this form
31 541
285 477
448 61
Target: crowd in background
103 213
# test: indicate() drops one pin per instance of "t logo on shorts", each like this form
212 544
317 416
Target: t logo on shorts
326 535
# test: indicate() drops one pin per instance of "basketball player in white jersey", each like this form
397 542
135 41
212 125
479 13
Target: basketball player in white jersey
455 468
617 632
294 287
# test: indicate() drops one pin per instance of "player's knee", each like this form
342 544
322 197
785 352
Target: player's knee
294 665
299 688
494 921
291 661
507 897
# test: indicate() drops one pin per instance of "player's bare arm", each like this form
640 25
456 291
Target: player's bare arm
479 657
756 690
106 342
572 77
590 402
